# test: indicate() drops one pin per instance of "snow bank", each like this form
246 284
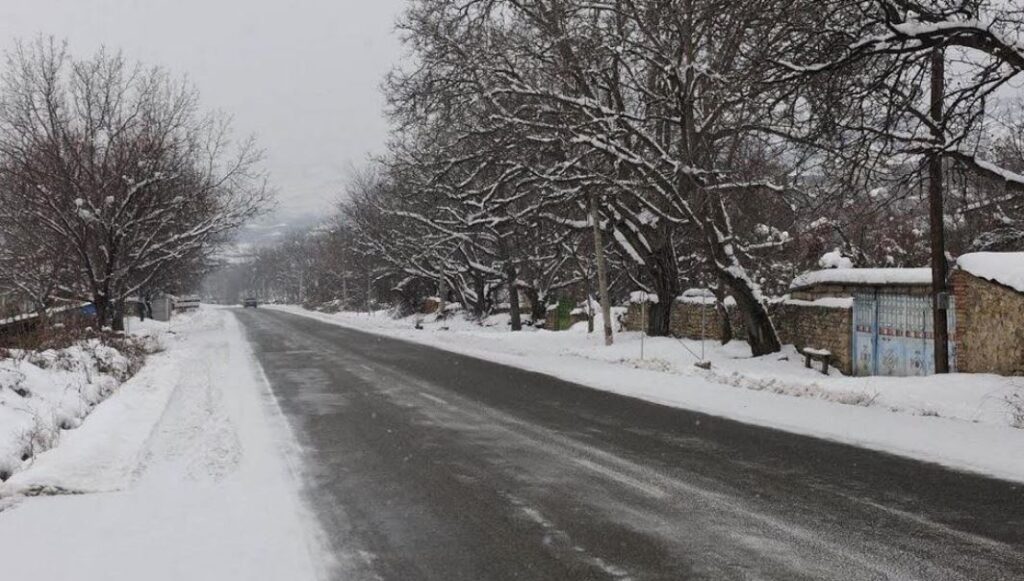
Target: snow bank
864 276
43 394
1005 268
951 420
193 456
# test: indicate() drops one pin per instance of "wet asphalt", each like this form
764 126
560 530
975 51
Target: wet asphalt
421 464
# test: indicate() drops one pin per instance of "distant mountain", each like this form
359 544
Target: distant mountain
267 231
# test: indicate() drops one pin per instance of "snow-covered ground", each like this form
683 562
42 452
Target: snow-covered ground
43 393
186 472
961 421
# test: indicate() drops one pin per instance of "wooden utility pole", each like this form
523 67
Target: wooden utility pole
602 271
442 292
369 307
344 281
936 215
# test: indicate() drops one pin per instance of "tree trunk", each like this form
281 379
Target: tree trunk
664 274
760 330
723 314
718 234
480 304
602 274
538 310
442 293
118 311
103 313
513 299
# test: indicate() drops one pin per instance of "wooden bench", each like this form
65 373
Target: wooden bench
823 355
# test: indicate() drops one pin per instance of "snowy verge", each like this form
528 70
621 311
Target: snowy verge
101 454
46 393
960 421
194 458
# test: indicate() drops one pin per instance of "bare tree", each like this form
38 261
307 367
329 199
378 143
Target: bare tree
115 163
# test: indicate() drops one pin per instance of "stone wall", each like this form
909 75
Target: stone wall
633 319
693 319
820 291
802 325
817 327
551 322
989 326
690 319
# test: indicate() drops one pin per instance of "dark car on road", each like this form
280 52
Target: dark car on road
250 302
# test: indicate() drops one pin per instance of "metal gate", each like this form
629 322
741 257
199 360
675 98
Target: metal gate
893 334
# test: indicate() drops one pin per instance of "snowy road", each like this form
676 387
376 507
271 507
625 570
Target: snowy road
423 464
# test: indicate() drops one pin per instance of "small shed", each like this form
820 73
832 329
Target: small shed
989 290
163 307
892 328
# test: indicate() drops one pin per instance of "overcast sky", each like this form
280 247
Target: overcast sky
302 75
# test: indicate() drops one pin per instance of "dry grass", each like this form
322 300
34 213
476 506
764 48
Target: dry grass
30 345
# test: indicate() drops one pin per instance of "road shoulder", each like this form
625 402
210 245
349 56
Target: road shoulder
193 461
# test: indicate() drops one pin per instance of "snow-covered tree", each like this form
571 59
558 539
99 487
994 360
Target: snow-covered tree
115 166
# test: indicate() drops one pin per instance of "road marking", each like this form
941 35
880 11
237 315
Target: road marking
435 399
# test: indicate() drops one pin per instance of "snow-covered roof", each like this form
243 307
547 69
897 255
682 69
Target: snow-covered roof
1005 268
640 297
697 293
824 302
864 276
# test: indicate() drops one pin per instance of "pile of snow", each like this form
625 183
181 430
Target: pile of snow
834 259
964 424
43 393
864 276
1005 268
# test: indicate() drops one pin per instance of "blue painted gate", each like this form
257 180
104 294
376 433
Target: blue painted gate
893 334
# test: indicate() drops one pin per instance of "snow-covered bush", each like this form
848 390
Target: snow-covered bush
49 389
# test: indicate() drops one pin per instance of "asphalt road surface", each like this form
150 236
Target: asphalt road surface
425 465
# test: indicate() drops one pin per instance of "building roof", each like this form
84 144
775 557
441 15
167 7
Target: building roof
1005 268
864 277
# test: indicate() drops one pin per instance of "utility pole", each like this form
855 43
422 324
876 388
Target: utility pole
369 308
442 291
602 272
936 215
344 280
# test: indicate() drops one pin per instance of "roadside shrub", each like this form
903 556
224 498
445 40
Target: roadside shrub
47 335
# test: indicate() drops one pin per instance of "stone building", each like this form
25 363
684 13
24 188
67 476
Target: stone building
821 312
878 321
989 291
806 320
889 330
